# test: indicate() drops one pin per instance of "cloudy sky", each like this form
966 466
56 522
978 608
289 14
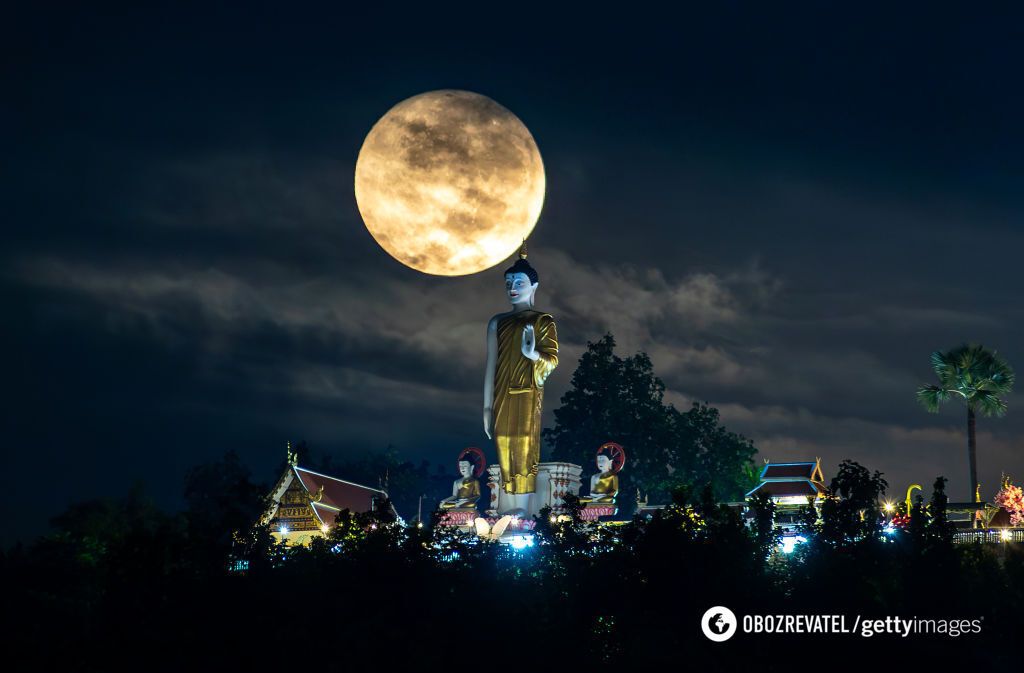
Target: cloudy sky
788 212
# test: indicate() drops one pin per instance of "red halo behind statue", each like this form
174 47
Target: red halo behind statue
477 460
616 453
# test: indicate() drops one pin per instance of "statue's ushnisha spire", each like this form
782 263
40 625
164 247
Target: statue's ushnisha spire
522 266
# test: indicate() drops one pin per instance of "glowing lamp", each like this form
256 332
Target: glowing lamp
789 543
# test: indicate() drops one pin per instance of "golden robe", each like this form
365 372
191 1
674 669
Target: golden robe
605 490
470 489
519 396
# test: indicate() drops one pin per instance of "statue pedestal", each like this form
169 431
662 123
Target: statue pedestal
554 482
458 517
595 512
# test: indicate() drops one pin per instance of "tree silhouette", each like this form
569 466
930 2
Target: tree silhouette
976 376
120 578
851 512
618 399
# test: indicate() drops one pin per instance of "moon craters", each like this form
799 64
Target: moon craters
449 182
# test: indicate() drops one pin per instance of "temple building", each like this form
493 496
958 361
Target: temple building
792 487
304 503
792 484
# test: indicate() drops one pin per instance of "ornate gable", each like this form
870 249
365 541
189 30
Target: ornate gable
294 512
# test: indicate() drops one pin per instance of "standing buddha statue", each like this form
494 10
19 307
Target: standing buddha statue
522 351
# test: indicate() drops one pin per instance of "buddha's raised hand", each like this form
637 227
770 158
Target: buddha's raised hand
530 343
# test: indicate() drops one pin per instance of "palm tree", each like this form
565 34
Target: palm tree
977 376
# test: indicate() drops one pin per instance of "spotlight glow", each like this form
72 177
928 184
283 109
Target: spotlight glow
520 542
789 543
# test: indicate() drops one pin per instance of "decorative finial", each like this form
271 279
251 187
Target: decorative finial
522 250
293 456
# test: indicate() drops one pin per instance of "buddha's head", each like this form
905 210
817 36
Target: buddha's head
465 469
521 281
610 458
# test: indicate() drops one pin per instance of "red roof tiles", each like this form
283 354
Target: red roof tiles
338 494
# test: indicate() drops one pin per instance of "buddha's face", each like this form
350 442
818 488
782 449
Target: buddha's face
604 463
519 288
465 468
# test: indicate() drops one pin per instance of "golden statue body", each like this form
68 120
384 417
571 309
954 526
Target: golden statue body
522 351
603 489
466 492
519 396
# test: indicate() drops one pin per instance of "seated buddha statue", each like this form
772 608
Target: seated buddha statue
466 489
604 485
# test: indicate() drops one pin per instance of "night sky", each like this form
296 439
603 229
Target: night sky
788 212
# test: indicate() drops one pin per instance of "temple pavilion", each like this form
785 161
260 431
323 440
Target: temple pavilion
792 484
304 503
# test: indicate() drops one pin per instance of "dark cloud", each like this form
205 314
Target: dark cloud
788 212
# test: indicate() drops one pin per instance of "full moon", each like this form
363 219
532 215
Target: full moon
449 182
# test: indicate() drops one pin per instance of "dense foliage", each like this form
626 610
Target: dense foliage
618 399
120 582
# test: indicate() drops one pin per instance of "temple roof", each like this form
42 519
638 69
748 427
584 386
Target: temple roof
806 470
781 489
327 495
787 470
780 480
325 513
338 494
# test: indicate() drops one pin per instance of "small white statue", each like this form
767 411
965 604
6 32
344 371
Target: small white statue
604 485
466 489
